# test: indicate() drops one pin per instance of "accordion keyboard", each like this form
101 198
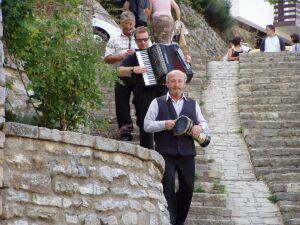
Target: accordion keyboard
143 59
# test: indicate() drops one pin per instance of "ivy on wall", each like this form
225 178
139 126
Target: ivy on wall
62 59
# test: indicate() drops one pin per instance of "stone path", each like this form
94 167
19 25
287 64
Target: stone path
247 197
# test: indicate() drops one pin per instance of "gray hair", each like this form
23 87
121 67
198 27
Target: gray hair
175 71
127 15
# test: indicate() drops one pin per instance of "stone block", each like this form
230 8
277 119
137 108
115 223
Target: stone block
127 148
128 161
78 138
72 168
109 174
48 214
16 196
11 210
130 218
143 153
109 220
106 144
65 187
158 159
39 183
111 204
92 188
22 130
55 201
2 77
50 134
2 96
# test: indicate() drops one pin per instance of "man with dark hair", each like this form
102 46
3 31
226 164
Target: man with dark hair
178 152
141 10
296 45
142 95
272 43
118 48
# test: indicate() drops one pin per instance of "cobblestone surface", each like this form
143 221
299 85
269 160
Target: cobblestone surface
247 197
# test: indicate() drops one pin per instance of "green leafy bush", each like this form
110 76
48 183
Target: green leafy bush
61 58
217 14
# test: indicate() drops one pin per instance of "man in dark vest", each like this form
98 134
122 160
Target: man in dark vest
178 152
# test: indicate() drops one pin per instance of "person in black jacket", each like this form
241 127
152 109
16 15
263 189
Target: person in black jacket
272 43
178 152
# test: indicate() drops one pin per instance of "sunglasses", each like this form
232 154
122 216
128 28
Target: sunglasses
142 40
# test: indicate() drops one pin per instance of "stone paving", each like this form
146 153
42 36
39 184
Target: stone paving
247 197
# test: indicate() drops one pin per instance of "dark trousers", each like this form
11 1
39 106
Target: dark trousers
143 97
123 88
179 202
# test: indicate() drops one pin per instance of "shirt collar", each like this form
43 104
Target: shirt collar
169 96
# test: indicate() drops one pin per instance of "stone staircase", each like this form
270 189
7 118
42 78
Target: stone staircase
246 196
209 200
269 104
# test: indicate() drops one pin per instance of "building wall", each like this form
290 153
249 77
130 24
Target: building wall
255 13
54 177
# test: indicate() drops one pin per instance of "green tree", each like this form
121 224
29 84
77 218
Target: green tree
61 58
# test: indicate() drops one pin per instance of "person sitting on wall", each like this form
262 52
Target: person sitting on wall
296 45
234 52
272 43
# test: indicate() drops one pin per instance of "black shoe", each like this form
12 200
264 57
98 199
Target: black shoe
128 137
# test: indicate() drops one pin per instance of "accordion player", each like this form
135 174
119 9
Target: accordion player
160 59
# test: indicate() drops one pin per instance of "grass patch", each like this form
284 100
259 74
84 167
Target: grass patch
273 198
198 190
220 188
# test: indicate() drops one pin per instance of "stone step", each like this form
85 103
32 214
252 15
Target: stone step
263 171
271 132
207 176
268 80
290 208
293 221
259 141
269 108
292 196
253 124
276 161
208 222
214 213
269 93
285 187
201 159
258 152
268 100
264 87
290 177
206 199
286 216
271 116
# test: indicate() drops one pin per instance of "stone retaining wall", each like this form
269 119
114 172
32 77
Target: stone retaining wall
2 107
56 177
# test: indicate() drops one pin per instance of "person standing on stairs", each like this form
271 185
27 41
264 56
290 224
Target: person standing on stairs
178 152
140 9
272 43
118 48
162 21
142 95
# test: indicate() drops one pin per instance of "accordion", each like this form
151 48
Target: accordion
160 59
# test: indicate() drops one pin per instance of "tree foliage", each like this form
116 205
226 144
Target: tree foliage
216 13
60 56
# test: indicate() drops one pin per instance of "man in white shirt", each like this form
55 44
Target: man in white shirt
178 152
118 48
272 43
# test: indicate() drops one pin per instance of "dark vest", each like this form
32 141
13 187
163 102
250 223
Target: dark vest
165 141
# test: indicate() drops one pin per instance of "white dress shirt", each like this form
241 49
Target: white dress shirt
119 43
153 126
272 44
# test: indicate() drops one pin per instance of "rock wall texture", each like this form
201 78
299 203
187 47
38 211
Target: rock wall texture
55 177
2 107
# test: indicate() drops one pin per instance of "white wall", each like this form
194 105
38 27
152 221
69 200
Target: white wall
256 13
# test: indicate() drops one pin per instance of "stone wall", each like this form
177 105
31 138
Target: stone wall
56 177
202 39
2 108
